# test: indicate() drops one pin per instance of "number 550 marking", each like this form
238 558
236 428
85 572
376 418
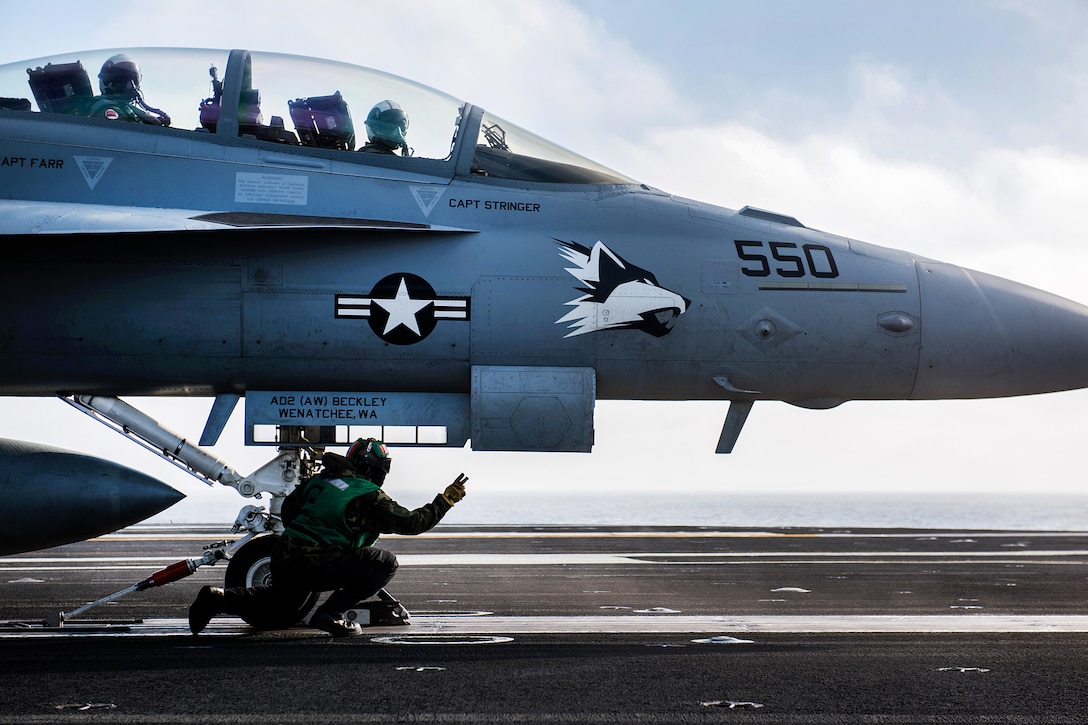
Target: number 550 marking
818 260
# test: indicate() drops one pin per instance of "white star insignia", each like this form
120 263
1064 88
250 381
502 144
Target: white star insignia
402 309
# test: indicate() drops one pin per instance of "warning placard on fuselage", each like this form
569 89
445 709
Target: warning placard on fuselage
306 417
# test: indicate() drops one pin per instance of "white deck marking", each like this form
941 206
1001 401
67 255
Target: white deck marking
138 533
106 563
443 625
667 623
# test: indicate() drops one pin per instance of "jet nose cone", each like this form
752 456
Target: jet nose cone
984 336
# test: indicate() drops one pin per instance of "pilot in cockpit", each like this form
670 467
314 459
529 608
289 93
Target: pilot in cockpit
121 99
387 129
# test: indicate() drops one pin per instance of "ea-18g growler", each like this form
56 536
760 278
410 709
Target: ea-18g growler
268 228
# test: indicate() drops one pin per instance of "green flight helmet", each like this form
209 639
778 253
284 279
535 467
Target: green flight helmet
371 458
387 125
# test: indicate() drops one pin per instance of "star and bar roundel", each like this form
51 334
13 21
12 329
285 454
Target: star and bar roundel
402 309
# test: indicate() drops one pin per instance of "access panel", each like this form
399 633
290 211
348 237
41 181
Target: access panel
519 408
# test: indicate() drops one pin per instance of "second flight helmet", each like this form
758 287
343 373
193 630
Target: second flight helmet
387 125
119 76
371 458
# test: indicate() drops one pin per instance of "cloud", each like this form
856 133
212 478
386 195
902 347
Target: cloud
1012 212
898 115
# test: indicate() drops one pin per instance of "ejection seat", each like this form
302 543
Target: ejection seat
61 88
250 120
323 122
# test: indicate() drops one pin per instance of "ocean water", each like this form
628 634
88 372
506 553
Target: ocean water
944 511
1041 512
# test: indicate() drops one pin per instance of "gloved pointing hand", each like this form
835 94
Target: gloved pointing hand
456 490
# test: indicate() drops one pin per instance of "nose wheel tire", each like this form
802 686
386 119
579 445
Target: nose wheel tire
251 566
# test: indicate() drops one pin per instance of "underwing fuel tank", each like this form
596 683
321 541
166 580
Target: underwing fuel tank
53 496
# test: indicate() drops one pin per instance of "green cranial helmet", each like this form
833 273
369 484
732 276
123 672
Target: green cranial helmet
387 124
119 75
371 458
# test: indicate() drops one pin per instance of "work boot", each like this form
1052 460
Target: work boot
208 603
335 625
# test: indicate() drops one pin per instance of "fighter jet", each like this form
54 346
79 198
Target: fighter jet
352 253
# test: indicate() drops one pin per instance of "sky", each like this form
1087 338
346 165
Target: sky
954 130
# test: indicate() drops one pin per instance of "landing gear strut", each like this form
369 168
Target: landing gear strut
250 556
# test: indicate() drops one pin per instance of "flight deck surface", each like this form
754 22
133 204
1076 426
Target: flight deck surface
580 624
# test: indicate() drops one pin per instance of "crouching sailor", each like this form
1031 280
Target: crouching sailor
331 523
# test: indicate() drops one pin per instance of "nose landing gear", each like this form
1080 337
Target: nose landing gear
251 566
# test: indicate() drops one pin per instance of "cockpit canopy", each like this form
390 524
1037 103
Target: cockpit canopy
302 104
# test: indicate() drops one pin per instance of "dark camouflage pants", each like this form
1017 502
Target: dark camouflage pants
352 575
